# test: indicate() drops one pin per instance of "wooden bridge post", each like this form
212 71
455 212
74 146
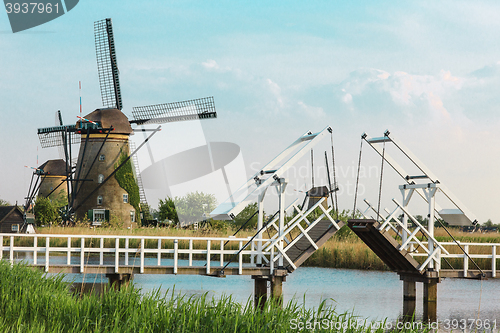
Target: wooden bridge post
409 298
430 300
260 291
277 288
117 281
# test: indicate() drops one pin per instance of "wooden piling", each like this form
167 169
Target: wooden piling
277 289
409 298
260 291
430 300
117 281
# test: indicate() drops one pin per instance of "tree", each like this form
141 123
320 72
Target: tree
439 225
488 223
45 211
60 200
194 205
345 232
166 210
423 221
245 214
51 209
4 203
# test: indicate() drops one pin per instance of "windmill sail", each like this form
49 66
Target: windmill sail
107 65
201 108
52 136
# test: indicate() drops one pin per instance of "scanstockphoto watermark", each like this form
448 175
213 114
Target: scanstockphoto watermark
27 14
347 187
357 324
342 171
297 175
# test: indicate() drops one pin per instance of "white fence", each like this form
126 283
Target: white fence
213 246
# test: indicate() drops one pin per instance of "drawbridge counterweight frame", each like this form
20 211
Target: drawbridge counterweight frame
281 250
426 185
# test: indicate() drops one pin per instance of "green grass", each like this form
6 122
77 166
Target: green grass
31 302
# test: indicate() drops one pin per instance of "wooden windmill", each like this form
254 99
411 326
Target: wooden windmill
102 181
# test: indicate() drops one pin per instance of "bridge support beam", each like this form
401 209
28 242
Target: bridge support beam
409 298
277 289
260 291
430 300
117 281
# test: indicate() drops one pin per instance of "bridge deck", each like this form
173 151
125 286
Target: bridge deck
303 249
384 246
181 270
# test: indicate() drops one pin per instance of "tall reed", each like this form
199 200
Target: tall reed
30 302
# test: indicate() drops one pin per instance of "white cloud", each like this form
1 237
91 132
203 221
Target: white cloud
311 111
275 89
449 121
374 88
347 98
210 64
384 75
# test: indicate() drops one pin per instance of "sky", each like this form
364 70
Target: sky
428 71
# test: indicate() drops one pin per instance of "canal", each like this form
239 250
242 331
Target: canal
370 294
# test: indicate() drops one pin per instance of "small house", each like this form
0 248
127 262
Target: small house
11 219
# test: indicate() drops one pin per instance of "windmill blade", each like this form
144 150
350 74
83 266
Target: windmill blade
201 108
107 66
51 136
59 122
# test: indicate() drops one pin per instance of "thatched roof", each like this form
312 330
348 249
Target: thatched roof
54 167
111 117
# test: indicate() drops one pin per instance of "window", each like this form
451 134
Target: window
99 200
132 216
125 198
99 215
15 227
102 157
100 179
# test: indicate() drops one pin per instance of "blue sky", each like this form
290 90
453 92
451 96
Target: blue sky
428 71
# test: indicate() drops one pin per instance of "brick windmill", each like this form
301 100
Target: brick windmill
102 182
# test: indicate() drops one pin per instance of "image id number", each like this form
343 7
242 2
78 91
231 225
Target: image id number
31 7
463 324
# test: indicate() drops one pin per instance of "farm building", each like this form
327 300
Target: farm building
11 219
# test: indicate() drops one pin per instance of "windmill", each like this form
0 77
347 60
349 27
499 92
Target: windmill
100 182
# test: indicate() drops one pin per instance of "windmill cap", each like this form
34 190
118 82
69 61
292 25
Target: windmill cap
54 167
111 117
319 191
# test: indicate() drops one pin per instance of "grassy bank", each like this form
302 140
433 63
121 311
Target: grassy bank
29 302
341 253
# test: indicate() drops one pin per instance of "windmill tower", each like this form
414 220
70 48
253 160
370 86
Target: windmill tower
55 174
102 182
100 154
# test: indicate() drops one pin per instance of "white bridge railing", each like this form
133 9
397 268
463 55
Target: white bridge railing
119 249
42 246
437 252
295 222
471 250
